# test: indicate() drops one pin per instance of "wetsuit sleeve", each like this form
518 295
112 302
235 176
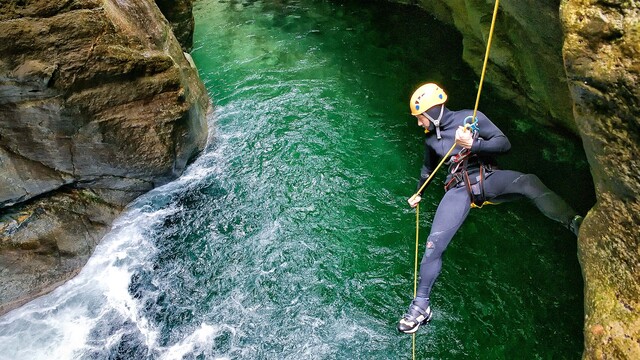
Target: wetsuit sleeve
427 166
490 139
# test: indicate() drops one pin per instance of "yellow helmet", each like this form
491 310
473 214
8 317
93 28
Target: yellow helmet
426 97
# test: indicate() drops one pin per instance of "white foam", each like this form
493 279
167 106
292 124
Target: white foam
58 325
200 338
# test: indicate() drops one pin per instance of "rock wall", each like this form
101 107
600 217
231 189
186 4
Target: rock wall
579 64
602 59
98 104
179 13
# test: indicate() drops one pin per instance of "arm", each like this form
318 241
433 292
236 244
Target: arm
490 139
425 172
427 167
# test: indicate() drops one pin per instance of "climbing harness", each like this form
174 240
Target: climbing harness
474 182
473 122
464 163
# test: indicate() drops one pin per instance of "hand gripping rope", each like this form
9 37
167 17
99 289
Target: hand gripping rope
473 126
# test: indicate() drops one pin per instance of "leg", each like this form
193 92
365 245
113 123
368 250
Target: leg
502 185
452 210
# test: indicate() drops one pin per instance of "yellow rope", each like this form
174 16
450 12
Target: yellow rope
434 171
486 57
475 110
415 274
415 263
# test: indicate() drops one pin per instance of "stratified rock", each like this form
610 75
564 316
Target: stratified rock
601 53
96 98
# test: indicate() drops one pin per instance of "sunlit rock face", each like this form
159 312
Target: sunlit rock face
575 65
98 104
601 53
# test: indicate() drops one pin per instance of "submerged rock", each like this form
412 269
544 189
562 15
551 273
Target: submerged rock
98 104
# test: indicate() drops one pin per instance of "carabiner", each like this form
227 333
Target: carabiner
470 123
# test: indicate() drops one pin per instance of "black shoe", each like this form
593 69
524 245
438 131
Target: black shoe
575 223
415 317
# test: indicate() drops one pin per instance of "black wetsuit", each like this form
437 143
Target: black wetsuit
499 186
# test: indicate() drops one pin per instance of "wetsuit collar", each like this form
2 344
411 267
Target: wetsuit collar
435 122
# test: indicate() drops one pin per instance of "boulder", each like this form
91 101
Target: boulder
98 104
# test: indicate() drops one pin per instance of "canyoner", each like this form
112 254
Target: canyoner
473 180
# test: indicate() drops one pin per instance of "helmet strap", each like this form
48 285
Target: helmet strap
436 122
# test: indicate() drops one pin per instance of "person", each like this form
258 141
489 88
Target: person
473 180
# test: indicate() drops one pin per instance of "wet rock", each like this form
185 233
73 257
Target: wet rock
46 241
96 97
180 15
601 52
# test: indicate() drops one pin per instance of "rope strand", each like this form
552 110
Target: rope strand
486 58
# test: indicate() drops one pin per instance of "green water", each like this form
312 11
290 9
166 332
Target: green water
311 238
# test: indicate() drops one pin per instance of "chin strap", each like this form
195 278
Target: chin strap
436 122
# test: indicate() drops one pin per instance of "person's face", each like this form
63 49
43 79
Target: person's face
423 121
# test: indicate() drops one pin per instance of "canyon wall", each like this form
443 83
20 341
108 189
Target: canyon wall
525 65
601 55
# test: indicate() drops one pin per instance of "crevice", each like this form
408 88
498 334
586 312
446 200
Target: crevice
25 158
612 36
71 157
32 200
55 74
